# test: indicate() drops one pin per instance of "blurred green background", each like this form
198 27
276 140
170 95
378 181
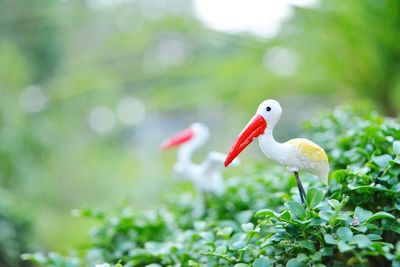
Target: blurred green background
88 89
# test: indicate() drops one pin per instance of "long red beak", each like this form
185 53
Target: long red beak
254 128
178 139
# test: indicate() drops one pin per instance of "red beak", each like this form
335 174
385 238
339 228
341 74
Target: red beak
178 139
254 128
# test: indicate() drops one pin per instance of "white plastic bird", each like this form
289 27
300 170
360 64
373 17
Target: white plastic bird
207 176
297 154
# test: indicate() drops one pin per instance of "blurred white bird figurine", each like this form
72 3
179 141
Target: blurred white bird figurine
297 154
207 176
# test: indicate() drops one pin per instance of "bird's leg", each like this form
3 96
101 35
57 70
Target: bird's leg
302 192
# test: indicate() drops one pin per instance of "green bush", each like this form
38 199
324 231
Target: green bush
259 221
14 233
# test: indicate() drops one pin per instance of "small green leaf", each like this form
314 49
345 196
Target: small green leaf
265 213
314 197
329 239
294 263
247 227
262 262
307 244
361 241
343 247
285 215
396 147
374 237
316 257
244 216
361 228
327 252
296 209
301 257
326 214
238 244
382 161
221 249
380 215
344 233
362 214
334 203
241 265
226 231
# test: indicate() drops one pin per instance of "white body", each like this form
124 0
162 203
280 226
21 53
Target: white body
297 154
289 154
206 176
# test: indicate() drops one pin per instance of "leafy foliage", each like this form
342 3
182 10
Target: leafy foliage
14 233
353 221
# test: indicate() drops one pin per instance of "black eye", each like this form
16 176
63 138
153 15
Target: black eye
268 109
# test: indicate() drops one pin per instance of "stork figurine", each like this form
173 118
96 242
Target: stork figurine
207 176
296 154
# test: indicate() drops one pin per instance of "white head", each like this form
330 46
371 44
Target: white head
271 111
196 135
267 115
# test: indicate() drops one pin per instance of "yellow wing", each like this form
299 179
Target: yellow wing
313 158
309 149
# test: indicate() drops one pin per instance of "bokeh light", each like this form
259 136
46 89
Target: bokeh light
101 120
33 99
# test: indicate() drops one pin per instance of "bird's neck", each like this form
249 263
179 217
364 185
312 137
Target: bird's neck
270 147
186 151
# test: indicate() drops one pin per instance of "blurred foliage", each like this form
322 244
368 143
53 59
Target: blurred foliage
257 223
31 28
60 61
349 47
14 233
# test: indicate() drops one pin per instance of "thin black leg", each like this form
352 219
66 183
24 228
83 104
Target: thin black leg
302 192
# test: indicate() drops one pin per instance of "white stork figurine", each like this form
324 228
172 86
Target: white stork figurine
297 154
207 176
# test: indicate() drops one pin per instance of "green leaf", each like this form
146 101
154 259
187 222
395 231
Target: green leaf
247 227
396 147
294 263
382 161
307 244
329 239
374 237
314 197
238 244
344 233
241 265
326 214
226 231
262 262
361 241
362 214
265 213
334 203
296 209
380 215
316 257
285 215
244 216
327 251
343 247
221 249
